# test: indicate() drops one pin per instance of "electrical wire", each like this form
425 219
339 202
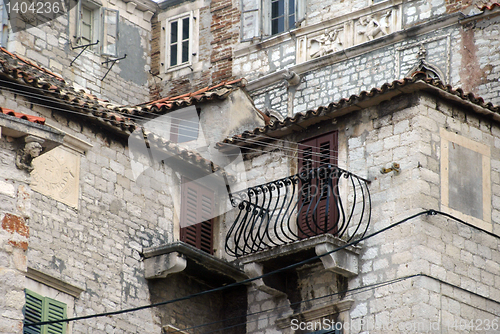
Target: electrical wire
249 280
349 292
184 127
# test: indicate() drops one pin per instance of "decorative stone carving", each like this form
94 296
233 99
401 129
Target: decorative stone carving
30 151
326 43
373 27
56 174
422 65
331 37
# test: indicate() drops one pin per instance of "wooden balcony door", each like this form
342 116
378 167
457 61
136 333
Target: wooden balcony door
318 212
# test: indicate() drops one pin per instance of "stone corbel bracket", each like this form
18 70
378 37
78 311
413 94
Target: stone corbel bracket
171 258
32 148
163 265
254 269
344 262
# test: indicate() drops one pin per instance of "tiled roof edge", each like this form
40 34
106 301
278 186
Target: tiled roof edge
353 100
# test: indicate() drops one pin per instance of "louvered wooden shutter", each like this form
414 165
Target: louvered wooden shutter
33 312
196 217
314 219
54 310
38 308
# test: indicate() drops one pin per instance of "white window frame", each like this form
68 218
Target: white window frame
179 19
286 15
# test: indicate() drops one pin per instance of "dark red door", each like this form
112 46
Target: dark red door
317 207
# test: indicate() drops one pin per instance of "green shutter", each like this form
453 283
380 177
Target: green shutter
38 308
54 310
33 312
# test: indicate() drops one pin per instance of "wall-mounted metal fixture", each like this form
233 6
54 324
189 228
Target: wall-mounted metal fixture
396 168
113 61
155 75
79 47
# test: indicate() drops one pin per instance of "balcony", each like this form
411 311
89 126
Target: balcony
325 200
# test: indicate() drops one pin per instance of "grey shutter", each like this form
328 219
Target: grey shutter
250 20
300 8
110 18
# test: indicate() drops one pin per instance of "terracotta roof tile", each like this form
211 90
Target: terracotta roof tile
29 118
490 7
354 102
111 117
168 104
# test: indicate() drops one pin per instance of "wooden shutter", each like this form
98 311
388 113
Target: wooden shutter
54 310
33 312
197 210
319 213
38 308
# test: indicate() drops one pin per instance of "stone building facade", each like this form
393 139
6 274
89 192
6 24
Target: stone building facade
111 29
427 274
339 50
103 219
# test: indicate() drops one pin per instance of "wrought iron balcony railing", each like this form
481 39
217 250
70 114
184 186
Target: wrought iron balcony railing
313 202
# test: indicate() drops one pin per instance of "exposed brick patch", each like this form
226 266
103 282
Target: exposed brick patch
19 244
15 224
469 69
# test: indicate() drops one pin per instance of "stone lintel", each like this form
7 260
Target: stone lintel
54 282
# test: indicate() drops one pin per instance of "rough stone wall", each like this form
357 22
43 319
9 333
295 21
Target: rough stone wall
479 66
14 235
98 246
127 82
440 248
462 53
457 262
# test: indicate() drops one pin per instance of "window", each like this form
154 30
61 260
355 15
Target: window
264 18
38 308
184 130
4 33
86 19
97 24
178 41
282 15
318 212
197 209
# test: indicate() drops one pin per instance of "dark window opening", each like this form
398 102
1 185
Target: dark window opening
282 16
184 129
